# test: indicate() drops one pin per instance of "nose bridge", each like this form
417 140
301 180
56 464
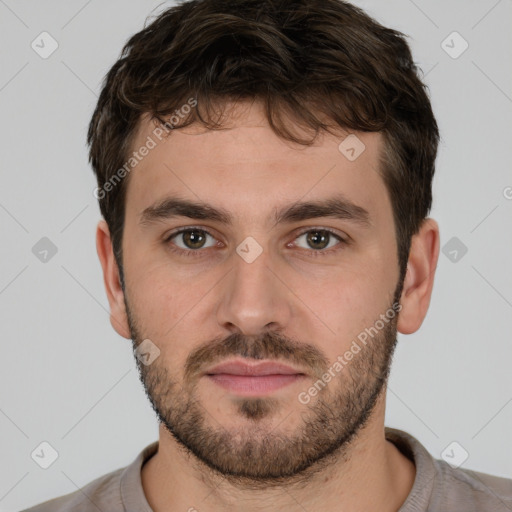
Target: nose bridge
252 298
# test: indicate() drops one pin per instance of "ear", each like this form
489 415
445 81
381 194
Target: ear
419 278
111 279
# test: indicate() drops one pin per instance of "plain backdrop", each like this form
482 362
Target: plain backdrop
69 380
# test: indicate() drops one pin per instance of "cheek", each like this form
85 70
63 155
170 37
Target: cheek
169 306
349 298
160 309
157 300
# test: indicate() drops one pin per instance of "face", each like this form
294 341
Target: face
291 259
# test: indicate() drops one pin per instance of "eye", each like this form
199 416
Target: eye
188 241
319 239
191 239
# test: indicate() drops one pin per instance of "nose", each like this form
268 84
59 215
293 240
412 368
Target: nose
253 299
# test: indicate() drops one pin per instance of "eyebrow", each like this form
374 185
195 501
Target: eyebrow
337 207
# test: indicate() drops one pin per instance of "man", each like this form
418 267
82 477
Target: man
264 173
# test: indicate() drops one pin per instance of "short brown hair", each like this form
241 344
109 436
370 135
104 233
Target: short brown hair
310 60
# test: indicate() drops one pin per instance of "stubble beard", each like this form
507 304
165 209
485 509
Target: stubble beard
255 454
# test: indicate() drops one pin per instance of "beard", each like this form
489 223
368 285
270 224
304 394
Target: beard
256 455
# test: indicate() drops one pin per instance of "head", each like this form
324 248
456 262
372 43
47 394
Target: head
234 119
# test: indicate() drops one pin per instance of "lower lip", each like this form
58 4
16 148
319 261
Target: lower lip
250 385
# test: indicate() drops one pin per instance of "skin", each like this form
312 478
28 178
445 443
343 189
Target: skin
191 307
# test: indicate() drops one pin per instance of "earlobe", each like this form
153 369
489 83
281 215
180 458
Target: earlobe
111 280
419 279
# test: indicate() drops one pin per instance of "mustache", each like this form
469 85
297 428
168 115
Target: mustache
270 345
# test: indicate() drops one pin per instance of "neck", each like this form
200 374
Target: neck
369 474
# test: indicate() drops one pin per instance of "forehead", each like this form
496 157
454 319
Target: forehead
246 166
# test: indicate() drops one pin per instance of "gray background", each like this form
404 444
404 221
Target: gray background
67 378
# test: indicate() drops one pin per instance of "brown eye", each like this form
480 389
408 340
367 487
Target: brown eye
191 239
318 239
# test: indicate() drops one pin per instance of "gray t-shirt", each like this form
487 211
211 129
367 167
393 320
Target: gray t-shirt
437 487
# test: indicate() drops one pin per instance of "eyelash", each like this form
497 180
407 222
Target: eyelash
198 252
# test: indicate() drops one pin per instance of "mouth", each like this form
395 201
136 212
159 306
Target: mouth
256 379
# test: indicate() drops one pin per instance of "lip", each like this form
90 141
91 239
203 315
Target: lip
244 379
238 367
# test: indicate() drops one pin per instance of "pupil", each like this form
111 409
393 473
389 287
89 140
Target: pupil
318 237
194 239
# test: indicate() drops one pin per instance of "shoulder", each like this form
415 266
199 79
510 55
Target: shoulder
441 487
476 490
103 493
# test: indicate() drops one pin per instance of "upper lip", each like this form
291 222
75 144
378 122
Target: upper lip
244 368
